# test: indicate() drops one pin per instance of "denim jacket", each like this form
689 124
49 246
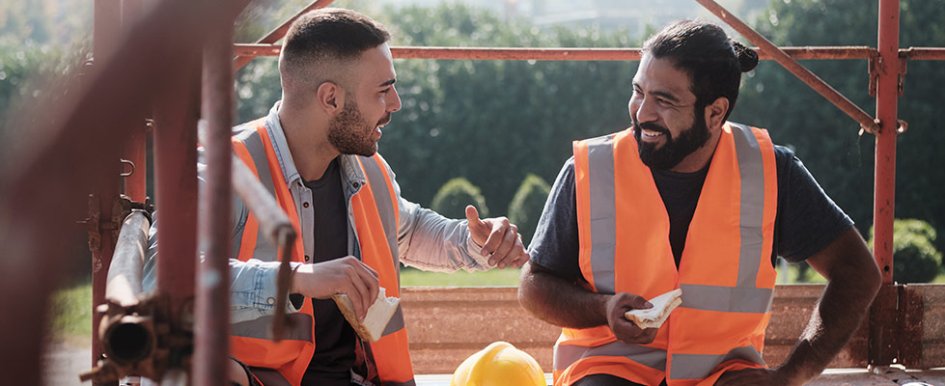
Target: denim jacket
425 239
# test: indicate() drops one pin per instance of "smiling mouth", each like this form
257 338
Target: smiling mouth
651 133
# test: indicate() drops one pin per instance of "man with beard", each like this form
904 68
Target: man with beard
686 200
316 152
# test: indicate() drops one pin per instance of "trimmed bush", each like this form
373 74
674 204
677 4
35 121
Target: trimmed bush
527 205
915 258
454 195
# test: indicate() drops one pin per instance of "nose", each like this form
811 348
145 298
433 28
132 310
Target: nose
393 104
642 109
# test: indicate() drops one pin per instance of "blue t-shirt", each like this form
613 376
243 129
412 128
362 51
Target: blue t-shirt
807 219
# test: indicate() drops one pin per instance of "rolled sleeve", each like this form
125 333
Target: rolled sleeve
254 289
431 242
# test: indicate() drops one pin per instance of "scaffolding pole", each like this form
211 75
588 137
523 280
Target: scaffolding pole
212 317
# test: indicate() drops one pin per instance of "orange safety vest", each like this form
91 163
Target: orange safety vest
376 215
725 272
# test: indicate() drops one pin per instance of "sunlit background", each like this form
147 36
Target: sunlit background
495 133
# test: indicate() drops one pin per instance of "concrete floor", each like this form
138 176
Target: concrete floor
66 359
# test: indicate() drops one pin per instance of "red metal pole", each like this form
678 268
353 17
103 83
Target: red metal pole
212 317
809 78
887 98
136 150
106 33
73 142
175 155
280 31
578 54
923 53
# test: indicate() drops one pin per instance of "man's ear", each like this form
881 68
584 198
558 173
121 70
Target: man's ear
715 113
330 97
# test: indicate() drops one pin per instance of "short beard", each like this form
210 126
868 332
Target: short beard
674 150
350 134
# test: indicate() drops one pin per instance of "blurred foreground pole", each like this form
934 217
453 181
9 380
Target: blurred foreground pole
213 286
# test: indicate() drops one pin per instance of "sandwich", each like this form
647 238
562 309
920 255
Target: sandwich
654 317
372 327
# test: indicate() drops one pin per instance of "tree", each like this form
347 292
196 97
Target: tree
492 122
915 257
527 205
453 197
825 138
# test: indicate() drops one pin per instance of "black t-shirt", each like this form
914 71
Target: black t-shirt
334 338
807 219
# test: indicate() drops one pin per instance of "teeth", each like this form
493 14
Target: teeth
651 134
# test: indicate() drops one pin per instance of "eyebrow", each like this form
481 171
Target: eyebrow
387 83
662 94
666 95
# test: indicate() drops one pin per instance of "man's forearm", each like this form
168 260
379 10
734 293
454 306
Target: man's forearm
559 301
836 317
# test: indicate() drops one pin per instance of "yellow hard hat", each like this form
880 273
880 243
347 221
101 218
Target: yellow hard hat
499 364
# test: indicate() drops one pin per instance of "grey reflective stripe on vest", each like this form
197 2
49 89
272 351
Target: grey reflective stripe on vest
699 366
386 209
751 169
566 355
726 299
265 250
300 327
600 170
745 296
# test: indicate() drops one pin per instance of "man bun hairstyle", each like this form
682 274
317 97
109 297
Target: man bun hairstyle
713 62
747 57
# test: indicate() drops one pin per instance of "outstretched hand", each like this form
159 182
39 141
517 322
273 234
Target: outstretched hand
499 239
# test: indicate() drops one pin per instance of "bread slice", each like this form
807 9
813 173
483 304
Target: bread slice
654 317
378 315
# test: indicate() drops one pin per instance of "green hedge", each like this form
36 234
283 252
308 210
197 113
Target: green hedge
455 194
527 204
915 258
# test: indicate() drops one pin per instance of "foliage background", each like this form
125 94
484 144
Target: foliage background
496 122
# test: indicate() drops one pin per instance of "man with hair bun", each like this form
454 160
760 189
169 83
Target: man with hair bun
684 199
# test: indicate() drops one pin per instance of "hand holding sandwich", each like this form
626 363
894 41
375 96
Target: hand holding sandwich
625 330
346 275
645 317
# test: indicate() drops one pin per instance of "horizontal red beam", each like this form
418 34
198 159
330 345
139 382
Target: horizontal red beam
923 53
490 53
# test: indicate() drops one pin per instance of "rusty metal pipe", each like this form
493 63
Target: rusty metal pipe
565 54
280 31
75 142
812 80
128 339
887 100
106 32
124 274
211 348
923 53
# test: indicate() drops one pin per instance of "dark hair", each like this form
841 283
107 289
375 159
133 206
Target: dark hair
330 34
703 50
